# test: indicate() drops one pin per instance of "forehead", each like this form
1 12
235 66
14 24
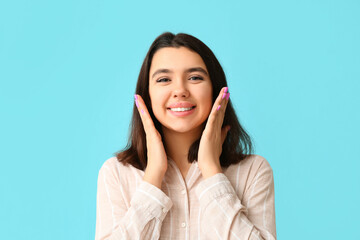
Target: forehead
176 59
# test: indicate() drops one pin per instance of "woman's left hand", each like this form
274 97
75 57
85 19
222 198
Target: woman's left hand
213 137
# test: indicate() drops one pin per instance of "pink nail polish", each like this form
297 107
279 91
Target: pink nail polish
136 97
218 107
136 102
226 89
228 95
142 111
224 95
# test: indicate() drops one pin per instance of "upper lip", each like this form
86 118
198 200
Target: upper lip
181 105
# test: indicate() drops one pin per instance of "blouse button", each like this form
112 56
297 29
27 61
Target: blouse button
183 224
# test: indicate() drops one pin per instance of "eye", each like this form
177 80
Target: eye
196 78
162 80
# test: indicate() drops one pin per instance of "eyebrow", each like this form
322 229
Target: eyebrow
189 70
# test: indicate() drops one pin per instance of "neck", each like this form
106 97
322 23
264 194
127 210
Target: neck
177 144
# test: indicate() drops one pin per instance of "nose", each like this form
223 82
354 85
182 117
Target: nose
180 90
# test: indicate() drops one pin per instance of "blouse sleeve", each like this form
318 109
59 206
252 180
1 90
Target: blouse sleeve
142 219
224 216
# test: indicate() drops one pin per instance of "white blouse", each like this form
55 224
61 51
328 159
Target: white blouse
235 204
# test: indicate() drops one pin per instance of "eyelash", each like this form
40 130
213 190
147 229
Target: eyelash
160 80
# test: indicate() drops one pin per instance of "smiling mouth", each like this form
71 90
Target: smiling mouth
181 109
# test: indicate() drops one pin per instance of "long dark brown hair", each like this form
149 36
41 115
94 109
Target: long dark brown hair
237 144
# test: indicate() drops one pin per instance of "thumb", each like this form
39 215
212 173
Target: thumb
224 132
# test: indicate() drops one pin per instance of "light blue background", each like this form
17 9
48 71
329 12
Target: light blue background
68 71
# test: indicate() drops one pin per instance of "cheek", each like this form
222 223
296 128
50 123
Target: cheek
157 103
206 97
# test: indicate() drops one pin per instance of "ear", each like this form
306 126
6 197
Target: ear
224 132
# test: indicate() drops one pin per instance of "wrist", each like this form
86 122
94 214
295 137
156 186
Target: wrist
211 171
153 177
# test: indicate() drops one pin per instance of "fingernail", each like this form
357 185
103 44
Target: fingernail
136 102
218 107
136 97
228 95
226 89
224 95
142 111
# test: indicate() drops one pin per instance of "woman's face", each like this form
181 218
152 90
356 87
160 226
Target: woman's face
180 89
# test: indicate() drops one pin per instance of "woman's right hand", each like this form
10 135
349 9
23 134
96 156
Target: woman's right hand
156 155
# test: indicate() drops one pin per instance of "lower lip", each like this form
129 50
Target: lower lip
182 114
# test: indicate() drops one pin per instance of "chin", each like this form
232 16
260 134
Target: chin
182 129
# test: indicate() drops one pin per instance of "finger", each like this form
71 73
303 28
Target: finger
144 114
219 105
224 101
222 109
224 132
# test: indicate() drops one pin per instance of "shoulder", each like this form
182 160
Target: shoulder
116 170
108 170
257 163
244 173
252 164
109 165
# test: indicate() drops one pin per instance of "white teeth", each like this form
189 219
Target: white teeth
180 109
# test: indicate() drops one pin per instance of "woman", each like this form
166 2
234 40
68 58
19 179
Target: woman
188 171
